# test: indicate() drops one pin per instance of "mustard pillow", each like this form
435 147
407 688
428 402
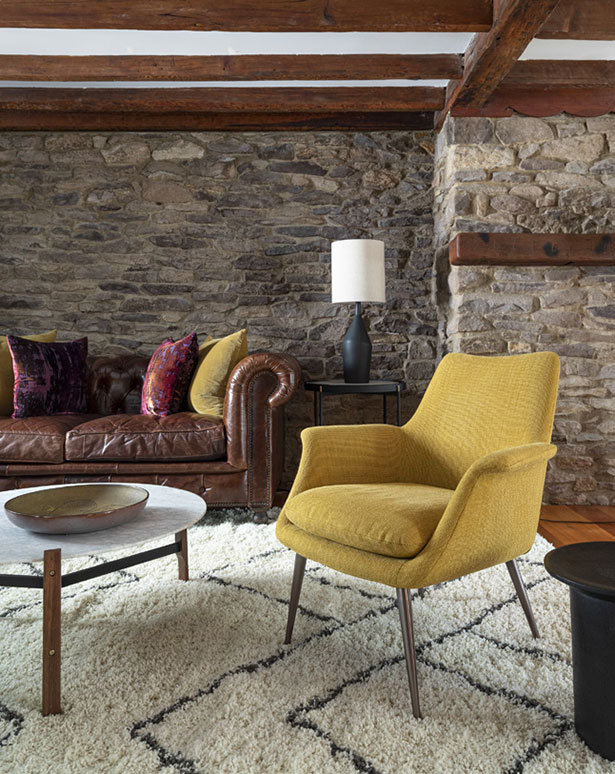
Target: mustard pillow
217 358
7 380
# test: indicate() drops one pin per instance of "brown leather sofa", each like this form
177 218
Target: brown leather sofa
236 460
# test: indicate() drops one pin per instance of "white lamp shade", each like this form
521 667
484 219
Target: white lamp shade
357 271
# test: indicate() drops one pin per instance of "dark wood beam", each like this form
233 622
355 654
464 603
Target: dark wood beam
581 20
54 121
230 68
585 74
540 100
482 249
251 16
221 100
491 55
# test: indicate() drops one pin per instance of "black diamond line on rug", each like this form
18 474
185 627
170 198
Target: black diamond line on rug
523 651
16 720
165 755
167 758
552 736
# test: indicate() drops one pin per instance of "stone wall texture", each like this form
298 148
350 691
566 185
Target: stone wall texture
554 175
130 238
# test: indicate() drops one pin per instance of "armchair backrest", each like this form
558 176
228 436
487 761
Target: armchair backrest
475 405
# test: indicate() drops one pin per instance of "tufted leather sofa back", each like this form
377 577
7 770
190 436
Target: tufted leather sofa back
115 384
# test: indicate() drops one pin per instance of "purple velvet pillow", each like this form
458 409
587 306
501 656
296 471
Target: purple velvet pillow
168 376
49 378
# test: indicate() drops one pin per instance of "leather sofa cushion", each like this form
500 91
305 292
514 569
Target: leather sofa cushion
140 437
389 519
37 439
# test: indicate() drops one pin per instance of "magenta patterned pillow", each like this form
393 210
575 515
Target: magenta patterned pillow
49 378
168 376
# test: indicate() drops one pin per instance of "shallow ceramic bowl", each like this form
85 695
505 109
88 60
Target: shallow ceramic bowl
70 509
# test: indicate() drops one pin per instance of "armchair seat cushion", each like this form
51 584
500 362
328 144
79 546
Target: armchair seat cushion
394 520
148 437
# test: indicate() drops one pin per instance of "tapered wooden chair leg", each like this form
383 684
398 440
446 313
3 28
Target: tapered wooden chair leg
52 630
295 593
405 614
519 585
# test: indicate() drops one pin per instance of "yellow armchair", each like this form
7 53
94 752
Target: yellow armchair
456 490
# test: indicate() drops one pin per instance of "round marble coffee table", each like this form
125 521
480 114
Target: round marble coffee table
168 511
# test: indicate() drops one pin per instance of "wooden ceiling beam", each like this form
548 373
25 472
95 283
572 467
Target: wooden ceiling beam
55 121
251 16
221 100
230 68
491 55
581 20
555 72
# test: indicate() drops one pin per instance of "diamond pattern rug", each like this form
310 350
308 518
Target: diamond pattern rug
160 675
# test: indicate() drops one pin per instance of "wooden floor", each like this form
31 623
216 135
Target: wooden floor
564 524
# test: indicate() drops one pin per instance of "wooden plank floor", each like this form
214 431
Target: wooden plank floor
564 524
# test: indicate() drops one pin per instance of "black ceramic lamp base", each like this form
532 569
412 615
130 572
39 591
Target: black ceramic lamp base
356 350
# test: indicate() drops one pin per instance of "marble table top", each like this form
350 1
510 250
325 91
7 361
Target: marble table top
168 510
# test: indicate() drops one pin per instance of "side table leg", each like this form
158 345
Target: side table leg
384 409
52 630
182 554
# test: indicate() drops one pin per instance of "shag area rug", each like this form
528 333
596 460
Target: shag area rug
161 675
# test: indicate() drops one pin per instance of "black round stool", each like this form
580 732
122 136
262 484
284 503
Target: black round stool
589 570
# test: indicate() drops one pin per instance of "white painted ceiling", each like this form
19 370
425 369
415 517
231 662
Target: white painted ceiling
84 42
92 42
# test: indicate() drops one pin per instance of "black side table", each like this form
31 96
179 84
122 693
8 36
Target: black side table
589 570
339 387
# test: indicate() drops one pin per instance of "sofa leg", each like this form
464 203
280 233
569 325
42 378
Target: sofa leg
261 517
519 585
295 593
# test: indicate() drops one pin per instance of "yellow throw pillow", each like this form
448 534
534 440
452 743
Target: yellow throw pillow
217 358
7 380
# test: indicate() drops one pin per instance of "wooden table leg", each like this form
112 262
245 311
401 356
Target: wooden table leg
52 630
182 554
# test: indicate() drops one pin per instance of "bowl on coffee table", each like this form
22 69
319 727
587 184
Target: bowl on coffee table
66 510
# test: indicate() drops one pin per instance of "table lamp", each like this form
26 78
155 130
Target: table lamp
357 276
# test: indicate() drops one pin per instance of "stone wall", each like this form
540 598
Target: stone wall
555 175
129 238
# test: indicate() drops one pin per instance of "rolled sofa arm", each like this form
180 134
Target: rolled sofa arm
257 390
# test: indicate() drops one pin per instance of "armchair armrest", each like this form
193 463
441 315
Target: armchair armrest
505 460
350 454
492 516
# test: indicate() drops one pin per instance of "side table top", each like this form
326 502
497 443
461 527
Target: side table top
168 510
586 566
340 387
